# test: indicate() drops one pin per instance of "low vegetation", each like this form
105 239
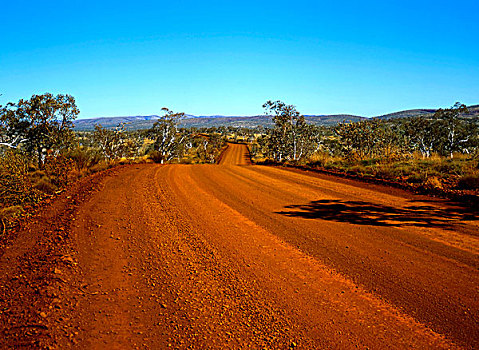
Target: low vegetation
437 153
40 154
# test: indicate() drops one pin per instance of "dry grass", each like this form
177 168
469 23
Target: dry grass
434 173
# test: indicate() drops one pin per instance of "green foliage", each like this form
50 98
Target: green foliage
291 138
455 135
41 125
207 148
447 132
370 139
422 135
83 157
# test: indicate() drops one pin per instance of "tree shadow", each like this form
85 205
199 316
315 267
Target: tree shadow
247 159
364 213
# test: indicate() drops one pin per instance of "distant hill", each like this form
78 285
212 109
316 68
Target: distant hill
145 122
473 112
262 120
134 122
407 113
328 120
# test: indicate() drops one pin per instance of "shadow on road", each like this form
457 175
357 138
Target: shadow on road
364 213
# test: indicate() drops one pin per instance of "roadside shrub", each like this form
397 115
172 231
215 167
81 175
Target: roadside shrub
368 162
9 214
386 173
416 178
449 167
185 160
156 156
357 169
37 175
58 170
16 187
433 183
318 159
45 185
83 158
99 167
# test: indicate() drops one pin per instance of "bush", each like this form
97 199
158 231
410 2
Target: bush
368 162
45 185
449 167
156 156
9 214
417 178
99 167
83 158
16 187
58 170
386 173
37 175
433 183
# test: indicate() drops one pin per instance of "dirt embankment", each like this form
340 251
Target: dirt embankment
228 256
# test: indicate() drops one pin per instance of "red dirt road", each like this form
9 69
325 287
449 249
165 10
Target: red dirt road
237 256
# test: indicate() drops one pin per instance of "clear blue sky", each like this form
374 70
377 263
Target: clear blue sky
228 57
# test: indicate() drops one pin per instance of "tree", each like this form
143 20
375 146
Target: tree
287 139
454 133
113 143
167 138
43 124
356 139
422 134
13 131
390 139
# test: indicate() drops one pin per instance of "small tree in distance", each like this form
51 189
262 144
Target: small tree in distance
454 132
287 137
113 143
165 133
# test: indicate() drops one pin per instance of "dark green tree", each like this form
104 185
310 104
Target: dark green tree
41 125
356 140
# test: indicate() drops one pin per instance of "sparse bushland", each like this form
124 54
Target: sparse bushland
169 143
40 154
438 154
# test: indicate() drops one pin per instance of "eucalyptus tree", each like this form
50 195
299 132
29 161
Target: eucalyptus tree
289 135
454 132
13 131
357 139
168 139
41 125
115 143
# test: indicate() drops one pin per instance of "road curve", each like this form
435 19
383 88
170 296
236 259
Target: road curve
228 256
235 154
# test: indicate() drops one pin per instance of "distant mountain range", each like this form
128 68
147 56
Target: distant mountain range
145 122
473 112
